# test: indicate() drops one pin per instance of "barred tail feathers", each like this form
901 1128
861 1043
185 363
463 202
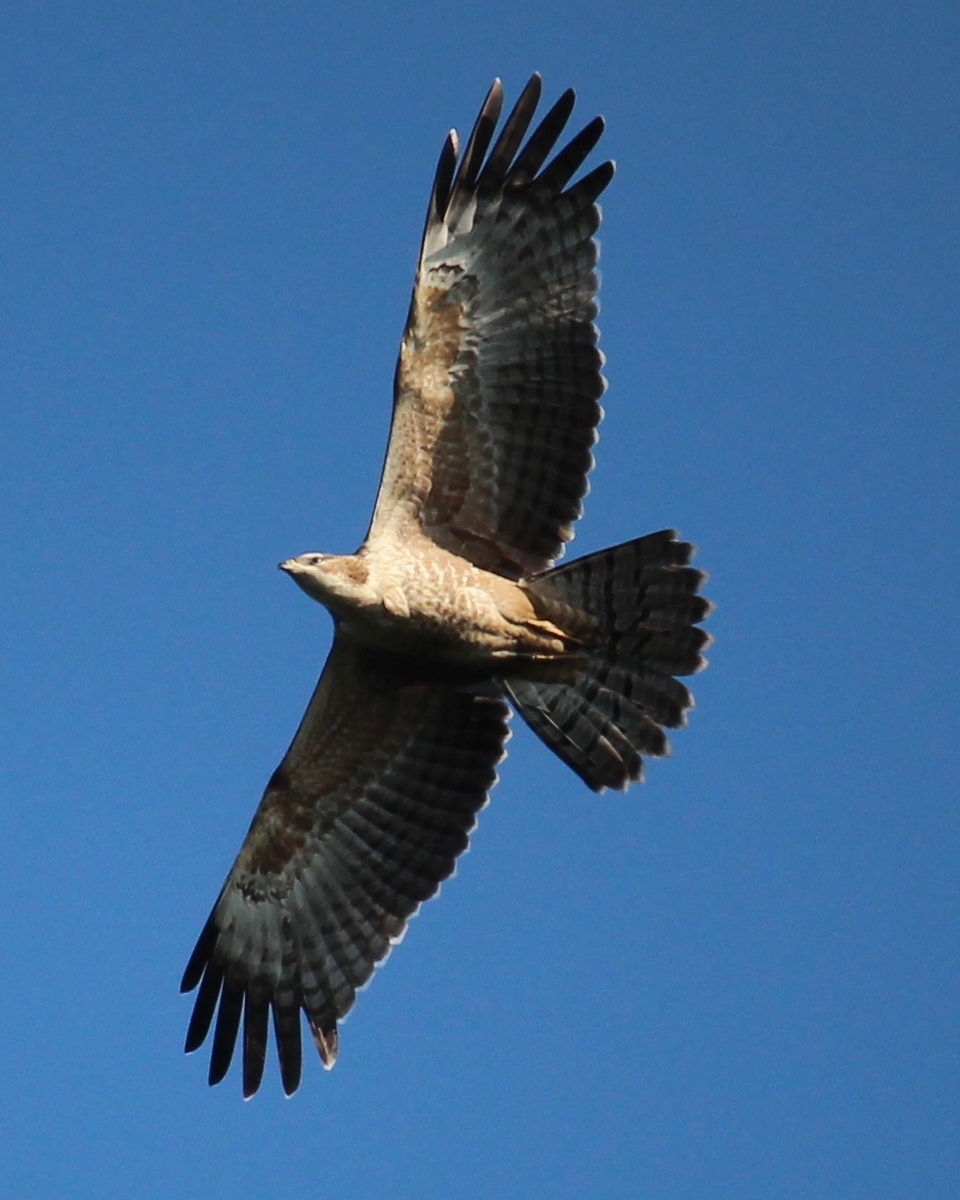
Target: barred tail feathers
635 608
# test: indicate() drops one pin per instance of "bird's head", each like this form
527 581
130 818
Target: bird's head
335 580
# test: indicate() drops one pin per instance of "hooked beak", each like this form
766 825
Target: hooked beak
290 565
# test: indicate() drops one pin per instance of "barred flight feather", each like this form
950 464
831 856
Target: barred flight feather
307 933
635 607
513 255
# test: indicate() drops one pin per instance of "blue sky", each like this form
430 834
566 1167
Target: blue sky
739 981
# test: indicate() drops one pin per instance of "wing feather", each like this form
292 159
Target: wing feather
499 375
542 140
508 143
360 823
464 184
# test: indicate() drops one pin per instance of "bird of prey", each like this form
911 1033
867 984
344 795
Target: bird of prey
453 607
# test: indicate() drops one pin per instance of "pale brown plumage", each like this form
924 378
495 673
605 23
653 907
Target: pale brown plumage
451 604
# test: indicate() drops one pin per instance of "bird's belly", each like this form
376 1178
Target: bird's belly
462 628
444 608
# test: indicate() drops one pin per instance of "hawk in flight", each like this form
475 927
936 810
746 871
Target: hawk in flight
452 606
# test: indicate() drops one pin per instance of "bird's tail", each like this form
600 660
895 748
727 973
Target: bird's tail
634 610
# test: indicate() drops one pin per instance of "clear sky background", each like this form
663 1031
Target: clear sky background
738 981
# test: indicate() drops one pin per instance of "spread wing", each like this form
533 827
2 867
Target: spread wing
498 380
359 824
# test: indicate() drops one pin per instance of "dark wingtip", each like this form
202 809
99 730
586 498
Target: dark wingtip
569 160
286 1028
533 88
204 1008
200 956
225 1034
474 152
542 140
255 1017
511 135
446 164
290 1078
592 184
